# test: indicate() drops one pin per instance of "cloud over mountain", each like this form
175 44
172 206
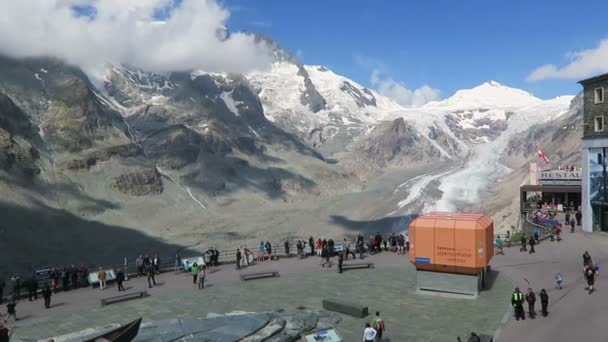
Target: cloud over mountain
583 64
400 93
157 35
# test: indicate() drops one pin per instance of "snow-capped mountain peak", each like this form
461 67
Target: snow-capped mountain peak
490 94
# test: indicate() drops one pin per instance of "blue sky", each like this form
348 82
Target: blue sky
448 45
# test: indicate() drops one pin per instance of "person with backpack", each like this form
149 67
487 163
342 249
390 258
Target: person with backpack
378 325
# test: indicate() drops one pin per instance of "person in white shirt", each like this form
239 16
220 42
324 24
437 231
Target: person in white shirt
369 334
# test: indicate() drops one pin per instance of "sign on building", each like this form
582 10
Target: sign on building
560 177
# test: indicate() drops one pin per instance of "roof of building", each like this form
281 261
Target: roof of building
594 78
550 188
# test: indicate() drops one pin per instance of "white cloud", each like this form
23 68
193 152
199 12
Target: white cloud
400 93
125 32
583 64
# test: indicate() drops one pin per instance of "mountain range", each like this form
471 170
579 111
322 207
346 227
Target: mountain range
92 170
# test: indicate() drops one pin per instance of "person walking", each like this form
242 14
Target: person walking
524 242
590 276
567 218
101 276
239 256
194 272
499 246
531 300
11 310
572 225
579 217
379 326
319 246
544 302
150 271
587 259
340 262
369 334
532 242
517 300
558 280
202 273
120 278
46 294
32 289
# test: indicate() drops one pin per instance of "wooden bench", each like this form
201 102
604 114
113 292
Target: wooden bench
259 275
351 309
123 298
357 265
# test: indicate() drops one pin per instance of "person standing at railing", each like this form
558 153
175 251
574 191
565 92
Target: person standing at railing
178 260
311 243
239 256
156 263
269 250
101 276
261 251
139 263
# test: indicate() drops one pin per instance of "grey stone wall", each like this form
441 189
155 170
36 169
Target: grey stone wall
592 109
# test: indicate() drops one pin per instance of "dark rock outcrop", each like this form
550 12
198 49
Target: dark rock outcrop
141 183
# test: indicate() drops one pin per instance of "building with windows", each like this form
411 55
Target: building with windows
594 152
558 189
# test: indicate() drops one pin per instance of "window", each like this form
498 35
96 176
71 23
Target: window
599 123
599 95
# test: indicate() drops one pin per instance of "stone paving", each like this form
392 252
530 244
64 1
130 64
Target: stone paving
389 288
573 313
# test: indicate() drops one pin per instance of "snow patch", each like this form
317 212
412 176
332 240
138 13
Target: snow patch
230 102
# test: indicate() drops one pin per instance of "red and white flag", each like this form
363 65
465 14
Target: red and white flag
543 156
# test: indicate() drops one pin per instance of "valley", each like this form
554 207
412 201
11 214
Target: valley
96 169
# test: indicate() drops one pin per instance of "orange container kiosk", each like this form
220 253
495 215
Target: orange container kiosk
460 243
